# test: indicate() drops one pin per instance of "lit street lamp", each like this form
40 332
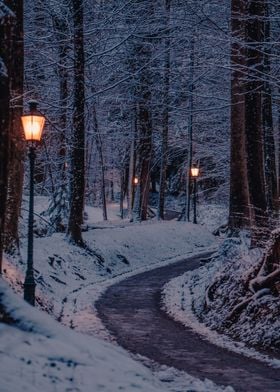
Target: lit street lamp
33 124
194 175
135 183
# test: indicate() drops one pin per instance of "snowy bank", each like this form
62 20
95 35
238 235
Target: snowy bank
37 353
184 298
45 354
69 277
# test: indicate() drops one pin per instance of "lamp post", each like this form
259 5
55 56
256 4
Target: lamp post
135 183
194 175
33 124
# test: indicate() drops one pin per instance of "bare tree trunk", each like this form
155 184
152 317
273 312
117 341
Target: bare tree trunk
278 146
15 167
101 164
103 186
190 136
74 231
269 143
6 26
165 120
61 31
253 113
122 194
58 208
131 174
239 212
4 147
144 153
112 195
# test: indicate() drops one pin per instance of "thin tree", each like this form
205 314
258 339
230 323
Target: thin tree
190 134
99 146
6 25
58 209
165 120
4 147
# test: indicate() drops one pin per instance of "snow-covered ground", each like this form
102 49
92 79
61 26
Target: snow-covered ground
69 278
37 352
184 300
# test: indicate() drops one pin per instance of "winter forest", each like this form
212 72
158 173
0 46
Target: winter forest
141 222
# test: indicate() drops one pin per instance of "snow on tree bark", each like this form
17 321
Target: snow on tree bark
77 153
254 36
17 146
239 214
165 120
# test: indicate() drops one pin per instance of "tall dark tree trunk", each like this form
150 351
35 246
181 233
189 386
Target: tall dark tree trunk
77 185
190 136
131 173
122 192
278 145
165 120
4 150
144 132
4 146
239 212
99 147
15 168
269 143
254 33
143 155
7 24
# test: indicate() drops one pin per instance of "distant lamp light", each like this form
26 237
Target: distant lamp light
194 171
135 180
33 123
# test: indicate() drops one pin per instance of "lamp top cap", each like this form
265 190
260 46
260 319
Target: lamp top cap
33 105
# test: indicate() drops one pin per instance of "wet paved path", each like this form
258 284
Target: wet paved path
131 312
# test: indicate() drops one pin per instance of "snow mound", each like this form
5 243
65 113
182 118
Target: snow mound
39 354
204 298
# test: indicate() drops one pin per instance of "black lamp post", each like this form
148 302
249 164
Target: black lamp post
33 124
135 183
194 175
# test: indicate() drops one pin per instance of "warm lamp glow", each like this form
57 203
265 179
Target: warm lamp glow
135 180
33 125
195 171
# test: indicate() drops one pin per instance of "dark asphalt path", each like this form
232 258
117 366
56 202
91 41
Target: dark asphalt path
131 312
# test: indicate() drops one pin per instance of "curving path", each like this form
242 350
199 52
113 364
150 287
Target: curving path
131 312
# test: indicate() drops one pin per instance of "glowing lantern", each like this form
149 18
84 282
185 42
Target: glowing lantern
195 171
33 123
135 181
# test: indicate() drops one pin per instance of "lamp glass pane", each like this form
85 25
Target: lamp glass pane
194 171
33 127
